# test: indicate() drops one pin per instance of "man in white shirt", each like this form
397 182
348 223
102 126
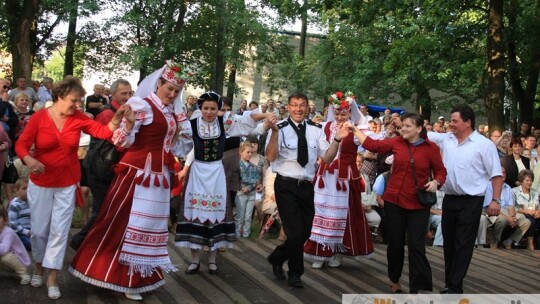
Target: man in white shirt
364 111
530 143
272 107
293 147
44 92
471 161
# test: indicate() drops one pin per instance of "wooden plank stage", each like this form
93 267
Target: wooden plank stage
246 277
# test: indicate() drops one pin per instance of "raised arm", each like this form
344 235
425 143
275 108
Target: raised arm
330 154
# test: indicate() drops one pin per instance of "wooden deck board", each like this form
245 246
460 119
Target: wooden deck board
246 277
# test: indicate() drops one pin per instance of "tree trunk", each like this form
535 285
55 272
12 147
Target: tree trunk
71 38
303 31
423 101
231 83
219 72
181 16
22 23
494 96
524 96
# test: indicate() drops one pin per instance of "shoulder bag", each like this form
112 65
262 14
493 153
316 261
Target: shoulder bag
426 198
10 175
369 198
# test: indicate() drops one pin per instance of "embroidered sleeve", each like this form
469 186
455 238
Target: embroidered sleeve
239 125
184 144
122 137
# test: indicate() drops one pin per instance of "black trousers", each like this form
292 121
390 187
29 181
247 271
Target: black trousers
413 223
296 209
99 188
460 221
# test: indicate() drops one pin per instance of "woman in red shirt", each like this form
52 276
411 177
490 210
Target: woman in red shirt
404 213
55 173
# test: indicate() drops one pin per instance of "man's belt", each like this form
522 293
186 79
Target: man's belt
293 180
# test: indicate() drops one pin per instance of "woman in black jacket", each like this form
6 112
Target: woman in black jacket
514 162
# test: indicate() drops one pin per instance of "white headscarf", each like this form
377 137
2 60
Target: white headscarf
149 85
356 116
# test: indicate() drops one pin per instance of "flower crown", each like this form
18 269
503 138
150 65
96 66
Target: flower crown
340 100
175 73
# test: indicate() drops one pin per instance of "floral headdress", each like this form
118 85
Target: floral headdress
342 101
175 73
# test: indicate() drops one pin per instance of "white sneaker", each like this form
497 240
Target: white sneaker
134 296
335 261
317 264
25 279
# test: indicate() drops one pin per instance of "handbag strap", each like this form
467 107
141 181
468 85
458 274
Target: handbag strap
412 165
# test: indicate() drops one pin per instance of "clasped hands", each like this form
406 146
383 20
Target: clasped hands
126 112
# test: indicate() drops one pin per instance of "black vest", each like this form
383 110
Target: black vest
208 149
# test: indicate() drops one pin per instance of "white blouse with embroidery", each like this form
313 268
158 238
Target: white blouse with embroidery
144 115
234 125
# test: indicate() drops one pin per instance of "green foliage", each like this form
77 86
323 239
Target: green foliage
54 66
377 49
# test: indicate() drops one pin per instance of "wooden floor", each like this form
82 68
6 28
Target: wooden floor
246 277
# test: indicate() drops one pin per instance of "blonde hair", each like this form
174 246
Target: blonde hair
20 182
243 146
19 96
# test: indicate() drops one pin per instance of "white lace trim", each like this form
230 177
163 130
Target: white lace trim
114 287
218 245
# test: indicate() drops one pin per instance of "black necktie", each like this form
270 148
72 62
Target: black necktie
302 145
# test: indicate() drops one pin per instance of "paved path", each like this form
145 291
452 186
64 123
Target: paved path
246 277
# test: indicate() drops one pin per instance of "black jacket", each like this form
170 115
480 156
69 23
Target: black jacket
512 169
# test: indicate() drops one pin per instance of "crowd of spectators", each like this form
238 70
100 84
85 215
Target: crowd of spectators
517 225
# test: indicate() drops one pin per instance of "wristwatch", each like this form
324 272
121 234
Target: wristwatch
496 200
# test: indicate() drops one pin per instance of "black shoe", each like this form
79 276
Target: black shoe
212 271
295 281
444 291
193 270
277 269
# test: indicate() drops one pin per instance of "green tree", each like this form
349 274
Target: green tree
29 25
523 45
408 48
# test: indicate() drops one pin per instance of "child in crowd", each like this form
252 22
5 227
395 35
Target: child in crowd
13 256
245 199
19 214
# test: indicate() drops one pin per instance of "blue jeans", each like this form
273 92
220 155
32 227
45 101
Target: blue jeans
25 239
436 224
244 211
